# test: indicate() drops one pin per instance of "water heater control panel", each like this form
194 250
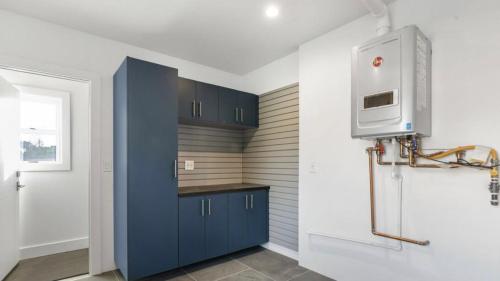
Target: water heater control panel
391 86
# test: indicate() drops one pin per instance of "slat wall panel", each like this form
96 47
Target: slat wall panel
217 155
270 156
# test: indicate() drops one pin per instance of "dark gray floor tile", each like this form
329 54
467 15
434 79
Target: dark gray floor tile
276 266
52 267
108 276
215 269
311 276
174 275
247 275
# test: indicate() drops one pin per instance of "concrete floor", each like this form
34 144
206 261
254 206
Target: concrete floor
255 264
52 267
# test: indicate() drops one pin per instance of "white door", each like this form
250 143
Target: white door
9 196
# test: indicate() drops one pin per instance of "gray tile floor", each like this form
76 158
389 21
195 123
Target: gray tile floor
52 267
256 264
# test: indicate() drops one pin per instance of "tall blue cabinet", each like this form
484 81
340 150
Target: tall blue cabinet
145 177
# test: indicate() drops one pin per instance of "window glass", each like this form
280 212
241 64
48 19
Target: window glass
38 148
38 114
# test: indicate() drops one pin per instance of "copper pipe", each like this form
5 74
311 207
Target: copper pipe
386 163
414 164
372 207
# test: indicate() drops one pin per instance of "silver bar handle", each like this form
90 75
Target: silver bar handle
209 207
241 114
199 109
202 208
194 108
175 169
251 201
236 112
246 202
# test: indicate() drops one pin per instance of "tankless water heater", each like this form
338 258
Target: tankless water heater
391 86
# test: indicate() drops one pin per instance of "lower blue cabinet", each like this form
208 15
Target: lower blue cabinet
238 208
213 225
191 229
258 222
248 219
202 227
216 224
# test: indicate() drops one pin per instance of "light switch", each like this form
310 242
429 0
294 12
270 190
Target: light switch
189 165
108 166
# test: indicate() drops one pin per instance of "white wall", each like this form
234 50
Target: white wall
275 75
449 207
54 205
44 43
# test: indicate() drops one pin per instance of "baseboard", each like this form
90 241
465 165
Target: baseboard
282 250
39 250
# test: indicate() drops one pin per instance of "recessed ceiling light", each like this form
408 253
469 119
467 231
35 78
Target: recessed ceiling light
272 11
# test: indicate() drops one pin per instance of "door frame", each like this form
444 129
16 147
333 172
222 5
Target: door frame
95 176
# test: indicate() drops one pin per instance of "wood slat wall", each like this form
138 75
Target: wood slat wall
217 155
271 156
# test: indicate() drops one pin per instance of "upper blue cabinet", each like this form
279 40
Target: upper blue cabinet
206 104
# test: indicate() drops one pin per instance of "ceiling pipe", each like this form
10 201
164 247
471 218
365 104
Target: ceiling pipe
379 10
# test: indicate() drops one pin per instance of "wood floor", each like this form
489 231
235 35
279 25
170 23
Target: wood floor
52 267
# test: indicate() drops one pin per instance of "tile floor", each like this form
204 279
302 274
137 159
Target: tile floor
52 267
256 264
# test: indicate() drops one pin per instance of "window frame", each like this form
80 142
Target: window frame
62 132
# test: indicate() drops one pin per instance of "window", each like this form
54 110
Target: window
44 129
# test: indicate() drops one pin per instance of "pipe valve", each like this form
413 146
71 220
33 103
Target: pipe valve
494 189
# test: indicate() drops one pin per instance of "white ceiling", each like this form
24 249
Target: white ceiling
231 35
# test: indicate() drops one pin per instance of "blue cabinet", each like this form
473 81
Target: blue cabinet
191 229
248 107
206 104
216 224
238 225
238 108
203 224
187 99
258 222
248 219
198 102
145 183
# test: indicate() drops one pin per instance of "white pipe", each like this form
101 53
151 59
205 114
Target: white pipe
397 248
379 10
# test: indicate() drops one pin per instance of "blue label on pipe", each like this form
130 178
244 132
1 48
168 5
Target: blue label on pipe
408 126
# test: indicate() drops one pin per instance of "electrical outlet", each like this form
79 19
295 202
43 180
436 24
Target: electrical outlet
189 165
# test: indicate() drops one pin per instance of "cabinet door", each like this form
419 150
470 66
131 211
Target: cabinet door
238 207
228 106
187 98
151 141
249 109
207 98
258 218
192 212
216 223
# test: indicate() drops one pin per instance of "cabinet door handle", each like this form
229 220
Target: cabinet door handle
236 110
199 109
194 108
209 207
175 169
246 202
202 208
251 201
241 114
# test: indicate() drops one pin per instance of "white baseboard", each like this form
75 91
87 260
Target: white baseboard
33 251
282 250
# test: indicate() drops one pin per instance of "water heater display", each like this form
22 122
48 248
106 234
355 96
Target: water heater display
378 100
